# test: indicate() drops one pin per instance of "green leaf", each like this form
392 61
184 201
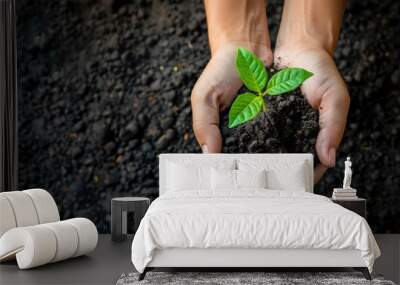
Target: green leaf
251 70
245 107
287 80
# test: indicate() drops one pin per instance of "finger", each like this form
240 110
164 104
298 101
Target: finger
205 110
266 56
332 120
319 171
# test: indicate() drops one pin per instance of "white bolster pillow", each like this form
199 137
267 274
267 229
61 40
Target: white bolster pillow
40 244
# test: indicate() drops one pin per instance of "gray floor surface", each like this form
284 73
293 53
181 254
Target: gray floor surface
110 260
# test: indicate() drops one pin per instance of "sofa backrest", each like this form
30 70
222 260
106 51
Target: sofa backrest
280 163
26 208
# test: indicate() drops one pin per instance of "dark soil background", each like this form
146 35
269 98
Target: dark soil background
104 86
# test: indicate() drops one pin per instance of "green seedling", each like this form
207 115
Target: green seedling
254 76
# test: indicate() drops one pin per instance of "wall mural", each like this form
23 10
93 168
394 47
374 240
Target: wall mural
104 87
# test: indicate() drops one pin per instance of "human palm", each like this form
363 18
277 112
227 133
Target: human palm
325 91
214 91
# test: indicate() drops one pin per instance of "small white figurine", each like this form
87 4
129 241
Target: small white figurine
347 174
347 192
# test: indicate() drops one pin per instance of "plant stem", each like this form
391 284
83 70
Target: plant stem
265 106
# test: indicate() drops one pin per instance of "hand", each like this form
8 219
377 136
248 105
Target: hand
215 90
325 91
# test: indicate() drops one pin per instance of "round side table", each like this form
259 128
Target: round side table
119 210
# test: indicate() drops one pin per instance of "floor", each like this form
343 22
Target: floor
110 260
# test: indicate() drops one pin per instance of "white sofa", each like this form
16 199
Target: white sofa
31 231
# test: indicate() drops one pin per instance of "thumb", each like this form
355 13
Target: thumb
205 111
333 110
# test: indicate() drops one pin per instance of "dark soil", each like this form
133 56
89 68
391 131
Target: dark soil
104 88
290 125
